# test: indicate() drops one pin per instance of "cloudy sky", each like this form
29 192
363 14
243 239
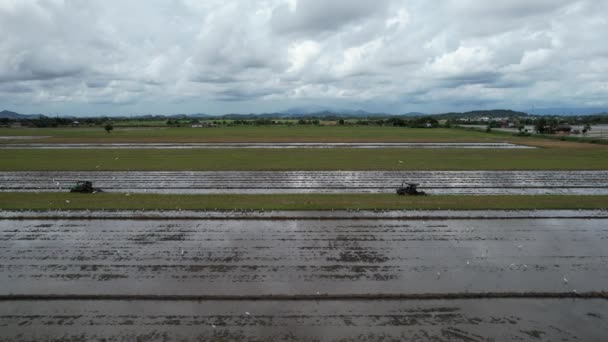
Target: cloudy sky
187 56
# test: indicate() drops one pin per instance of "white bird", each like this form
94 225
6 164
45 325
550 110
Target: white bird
247 313
438 275
468 263
565 280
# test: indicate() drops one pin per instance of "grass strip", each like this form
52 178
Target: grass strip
118 201
309 133
303 159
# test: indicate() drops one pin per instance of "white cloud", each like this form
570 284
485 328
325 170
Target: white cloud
101 56
301 54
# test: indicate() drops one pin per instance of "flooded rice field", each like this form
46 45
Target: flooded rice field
270 182
302 257
435 320
300 215
262 279
496 145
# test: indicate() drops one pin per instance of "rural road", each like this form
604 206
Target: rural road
434 182
238 265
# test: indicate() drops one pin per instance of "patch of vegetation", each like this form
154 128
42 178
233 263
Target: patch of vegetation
298 133
45 201
303 159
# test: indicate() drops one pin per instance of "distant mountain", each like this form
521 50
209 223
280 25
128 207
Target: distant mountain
306 110
495 113
5 114
327 111
568 111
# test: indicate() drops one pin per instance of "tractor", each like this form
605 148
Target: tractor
410 189
85 187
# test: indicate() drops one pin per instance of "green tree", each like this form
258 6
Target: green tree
109 127
587 128
541 125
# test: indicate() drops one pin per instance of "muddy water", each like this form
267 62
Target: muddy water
458 320
497 145
434 182
257 257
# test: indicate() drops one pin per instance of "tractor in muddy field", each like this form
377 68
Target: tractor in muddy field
409 189
85 187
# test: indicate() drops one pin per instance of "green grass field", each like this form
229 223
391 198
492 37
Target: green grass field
251 134
44 201
305 159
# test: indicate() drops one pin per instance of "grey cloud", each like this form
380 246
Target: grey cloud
510 8
471 78
15 88
316 16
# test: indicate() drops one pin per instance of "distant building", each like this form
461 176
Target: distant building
204 124
563 129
